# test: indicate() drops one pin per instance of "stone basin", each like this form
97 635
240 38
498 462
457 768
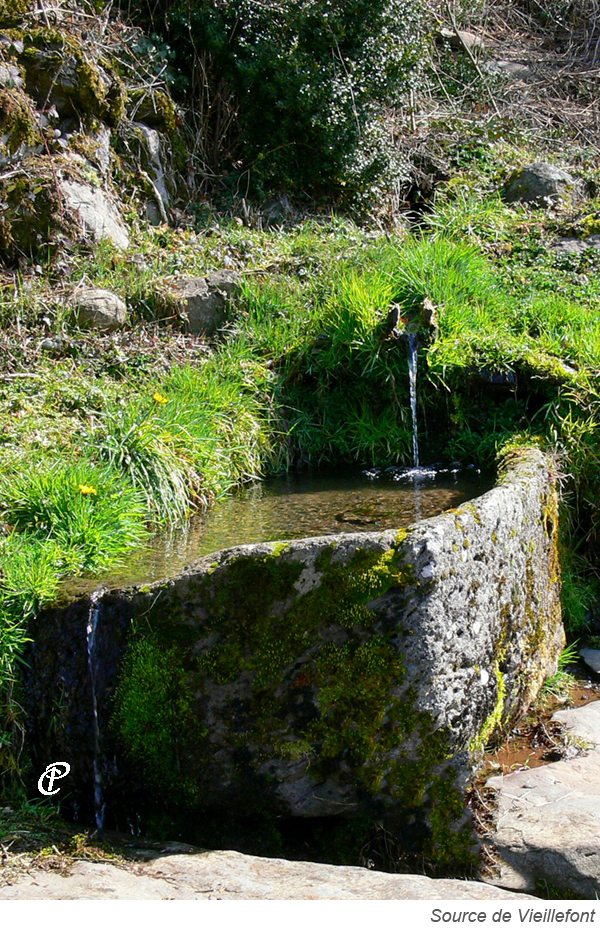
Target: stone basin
351 676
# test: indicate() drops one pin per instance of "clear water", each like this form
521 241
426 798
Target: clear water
412 382
298 506
91 629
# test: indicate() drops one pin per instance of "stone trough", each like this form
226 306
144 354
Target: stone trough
334 677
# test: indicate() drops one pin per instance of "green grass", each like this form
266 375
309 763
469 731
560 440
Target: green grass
453 274
91 516
303 376
135 442
306 375
562 682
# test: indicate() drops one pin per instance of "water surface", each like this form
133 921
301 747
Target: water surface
298 506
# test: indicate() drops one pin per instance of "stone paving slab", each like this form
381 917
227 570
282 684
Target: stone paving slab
232 875
549 817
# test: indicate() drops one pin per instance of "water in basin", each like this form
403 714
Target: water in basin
297 506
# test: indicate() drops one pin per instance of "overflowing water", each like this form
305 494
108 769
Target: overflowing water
412 340
91 631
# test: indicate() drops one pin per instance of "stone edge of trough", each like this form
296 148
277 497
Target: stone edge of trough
518 470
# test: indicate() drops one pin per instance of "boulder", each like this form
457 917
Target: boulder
278 211
516 70
51 199
153 160
95 308
460 39
539 184
591 657
549 817
95 211
62 72
573 246
205 304
10 76
19 128
99 149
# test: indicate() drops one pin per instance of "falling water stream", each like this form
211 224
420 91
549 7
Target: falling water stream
91 630
412 340
418 473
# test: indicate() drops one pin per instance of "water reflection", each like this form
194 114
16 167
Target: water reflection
307 505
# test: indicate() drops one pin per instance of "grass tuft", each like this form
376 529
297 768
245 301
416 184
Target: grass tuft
562 682
88 515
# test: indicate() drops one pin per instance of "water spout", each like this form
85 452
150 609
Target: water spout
412 340
91 629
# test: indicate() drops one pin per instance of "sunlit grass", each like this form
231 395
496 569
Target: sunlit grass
304 376
561 683
134 442
91 516
463 212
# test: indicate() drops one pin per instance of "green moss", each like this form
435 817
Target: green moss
294 750
412 775
115 101
35 211
344 704
353 683
538 642
323 560
17 119
253 636
156 109
257 636
91 95
252 633
279 548
11 11
451 846
495 718
154 718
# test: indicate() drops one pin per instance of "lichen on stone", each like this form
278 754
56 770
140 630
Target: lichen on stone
495 719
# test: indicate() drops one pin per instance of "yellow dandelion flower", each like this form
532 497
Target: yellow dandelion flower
160 398
87 489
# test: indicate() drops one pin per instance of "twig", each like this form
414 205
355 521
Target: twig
157 196
450 12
